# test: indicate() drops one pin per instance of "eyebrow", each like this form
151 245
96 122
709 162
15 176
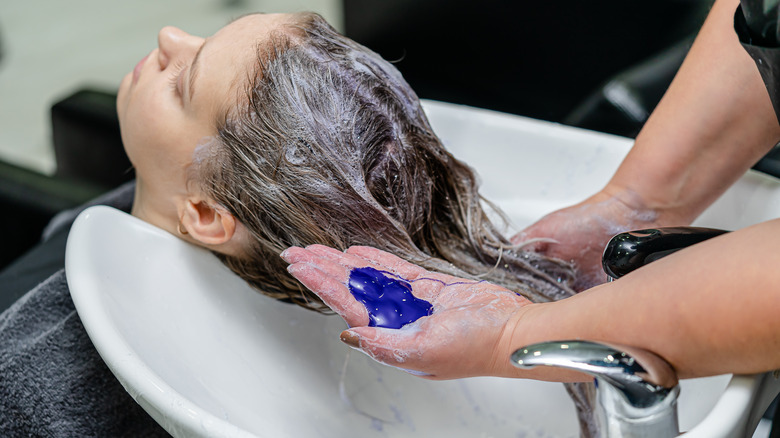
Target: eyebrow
194 69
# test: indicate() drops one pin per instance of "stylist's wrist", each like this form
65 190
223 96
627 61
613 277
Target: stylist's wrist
529 325
642 205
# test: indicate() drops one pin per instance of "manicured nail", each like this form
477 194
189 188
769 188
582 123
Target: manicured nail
416 373
285 255
350 339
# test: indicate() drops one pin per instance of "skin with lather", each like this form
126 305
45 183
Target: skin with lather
708 309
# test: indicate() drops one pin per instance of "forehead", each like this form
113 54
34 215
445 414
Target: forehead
239 40
230 55
252 28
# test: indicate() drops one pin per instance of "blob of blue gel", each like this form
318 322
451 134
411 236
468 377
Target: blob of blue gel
389 301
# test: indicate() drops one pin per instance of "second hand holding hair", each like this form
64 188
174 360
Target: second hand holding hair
579 233
458 339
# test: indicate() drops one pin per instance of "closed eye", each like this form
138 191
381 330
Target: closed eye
175 79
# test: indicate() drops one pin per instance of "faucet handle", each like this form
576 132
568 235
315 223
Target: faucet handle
640 374
634 249
637 390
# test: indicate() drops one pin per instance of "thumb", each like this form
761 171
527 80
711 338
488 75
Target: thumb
531 239
396 347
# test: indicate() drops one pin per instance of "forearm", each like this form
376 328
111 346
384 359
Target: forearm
714 122
710 309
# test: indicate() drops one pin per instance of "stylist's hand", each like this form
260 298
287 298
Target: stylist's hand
461 338
579 233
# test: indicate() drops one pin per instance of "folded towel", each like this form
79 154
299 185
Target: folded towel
53 383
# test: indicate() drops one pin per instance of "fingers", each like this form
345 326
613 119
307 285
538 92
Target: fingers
398 348
526 242
389 262
326 271
345 259
519 238
326 279
426 285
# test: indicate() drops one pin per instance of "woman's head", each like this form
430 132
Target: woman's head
324 142
173 101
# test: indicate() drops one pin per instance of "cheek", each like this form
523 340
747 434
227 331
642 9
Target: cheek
138 136
146 125
158 135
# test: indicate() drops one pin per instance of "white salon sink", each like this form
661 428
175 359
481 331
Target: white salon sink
207 356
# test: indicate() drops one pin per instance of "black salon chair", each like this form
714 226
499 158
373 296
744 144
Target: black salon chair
90 161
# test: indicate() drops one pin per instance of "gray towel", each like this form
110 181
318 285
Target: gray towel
53 383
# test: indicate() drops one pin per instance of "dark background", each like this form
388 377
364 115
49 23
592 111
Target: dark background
539 59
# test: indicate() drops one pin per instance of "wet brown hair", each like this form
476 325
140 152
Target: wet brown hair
330 145
333 147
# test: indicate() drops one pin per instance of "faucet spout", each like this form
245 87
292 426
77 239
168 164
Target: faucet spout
636 389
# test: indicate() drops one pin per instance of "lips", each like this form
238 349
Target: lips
137 69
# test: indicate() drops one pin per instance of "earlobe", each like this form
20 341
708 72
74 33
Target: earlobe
207 224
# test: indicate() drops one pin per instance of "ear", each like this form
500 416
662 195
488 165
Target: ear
208 224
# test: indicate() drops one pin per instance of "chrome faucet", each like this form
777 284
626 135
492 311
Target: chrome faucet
636 389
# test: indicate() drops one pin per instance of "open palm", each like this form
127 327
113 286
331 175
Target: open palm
460 337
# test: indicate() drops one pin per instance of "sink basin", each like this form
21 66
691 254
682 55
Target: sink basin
205 355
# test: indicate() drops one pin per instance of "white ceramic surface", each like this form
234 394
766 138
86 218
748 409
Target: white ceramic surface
207 356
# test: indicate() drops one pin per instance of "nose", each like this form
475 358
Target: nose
175 44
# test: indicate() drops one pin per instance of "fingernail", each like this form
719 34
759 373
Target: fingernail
416 373
350 339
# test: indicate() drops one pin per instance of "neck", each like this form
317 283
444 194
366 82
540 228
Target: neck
147 207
